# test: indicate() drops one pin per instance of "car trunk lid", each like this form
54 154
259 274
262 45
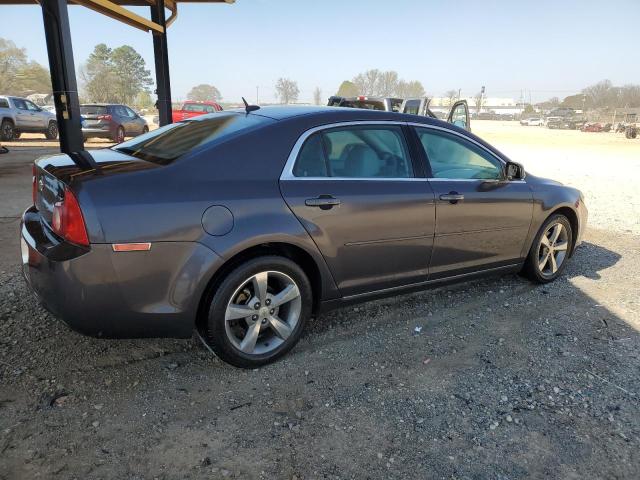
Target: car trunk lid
52 174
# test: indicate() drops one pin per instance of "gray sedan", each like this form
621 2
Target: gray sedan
241 225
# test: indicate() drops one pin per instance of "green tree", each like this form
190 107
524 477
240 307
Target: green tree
287 90
204 93
117 75
131 75
347 89
18 76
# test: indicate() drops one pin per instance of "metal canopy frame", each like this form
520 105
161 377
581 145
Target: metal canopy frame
55 17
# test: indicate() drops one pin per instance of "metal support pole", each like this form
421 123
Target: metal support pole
63 74
161 57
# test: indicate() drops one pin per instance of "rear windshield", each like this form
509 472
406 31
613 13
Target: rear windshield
93 110
172 141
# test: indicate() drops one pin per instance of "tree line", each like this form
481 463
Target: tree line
18 75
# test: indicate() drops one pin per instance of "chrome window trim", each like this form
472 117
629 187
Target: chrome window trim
287 171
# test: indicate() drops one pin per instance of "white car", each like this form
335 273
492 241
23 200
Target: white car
535 122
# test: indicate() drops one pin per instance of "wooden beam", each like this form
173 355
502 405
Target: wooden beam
117 12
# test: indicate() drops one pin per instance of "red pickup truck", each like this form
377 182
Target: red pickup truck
191 109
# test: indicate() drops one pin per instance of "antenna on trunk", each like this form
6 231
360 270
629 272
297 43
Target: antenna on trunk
250 108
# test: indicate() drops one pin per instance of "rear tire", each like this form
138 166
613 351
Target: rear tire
7 130
145 129
273 322
52 131
120 134
550 250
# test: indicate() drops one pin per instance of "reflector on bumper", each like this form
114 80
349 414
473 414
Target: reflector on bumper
131 247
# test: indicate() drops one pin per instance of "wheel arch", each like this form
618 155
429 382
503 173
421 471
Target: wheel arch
287 250
572 216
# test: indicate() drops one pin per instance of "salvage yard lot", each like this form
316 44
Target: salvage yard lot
504 379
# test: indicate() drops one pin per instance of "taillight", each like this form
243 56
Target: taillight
104 117
68 221
34 184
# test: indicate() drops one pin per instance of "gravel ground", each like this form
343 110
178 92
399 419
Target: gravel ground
497 378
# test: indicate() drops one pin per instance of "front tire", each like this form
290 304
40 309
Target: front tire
258 312
52 131
550 250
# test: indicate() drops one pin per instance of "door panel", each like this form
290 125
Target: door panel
353 188
459 115
482 219
486 228
379 236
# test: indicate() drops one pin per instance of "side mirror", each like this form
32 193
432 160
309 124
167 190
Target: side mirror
515 171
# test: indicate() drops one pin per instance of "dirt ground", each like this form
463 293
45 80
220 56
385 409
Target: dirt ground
504 380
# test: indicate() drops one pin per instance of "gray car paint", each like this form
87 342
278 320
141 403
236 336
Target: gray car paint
159 293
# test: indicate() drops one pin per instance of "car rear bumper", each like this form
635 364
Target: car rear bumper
99 292
97 132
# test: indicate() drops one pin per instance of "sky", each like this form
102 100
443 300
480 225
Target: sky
542 47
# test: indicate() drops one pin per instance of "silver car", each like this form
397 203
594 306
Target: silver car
19 115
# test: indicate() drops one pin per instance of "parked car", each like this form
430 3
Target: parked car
19 115
596 127
458 113
190 109
111 120
241 224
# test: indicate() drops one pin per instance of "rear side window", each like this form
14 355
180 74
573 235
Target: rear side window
355 152
167 143
93 110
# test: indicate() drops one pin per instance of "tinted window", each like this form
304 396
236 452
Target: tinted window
453 157
19 103
412 107
311 161
93 110
4 103
195 107
172 141
459 116
355 152
32 106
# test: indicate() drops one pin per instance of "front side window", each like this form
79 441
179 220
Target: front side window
459 116
32 106
355 152
453 157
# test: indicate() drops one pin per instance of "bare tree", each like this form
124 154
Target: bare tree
367 82
287 90
387 84
452 95
412 89
601 94
317 96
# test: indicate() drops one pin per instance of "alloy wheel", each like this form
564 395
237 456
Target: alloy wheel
263 312
552 250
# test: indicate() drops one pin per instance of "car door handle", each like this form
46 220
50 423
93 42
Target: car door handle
452 197
325 202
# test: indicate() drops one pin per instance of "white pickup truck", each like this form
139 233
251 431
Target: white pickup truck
19 115
458 113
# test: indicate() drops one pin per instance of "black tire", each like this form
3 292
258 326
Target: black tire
215 330
531 267
52 131
7 131
145 129
120 134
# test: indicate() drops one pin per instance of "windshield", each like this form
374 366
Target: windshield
93 110
172 141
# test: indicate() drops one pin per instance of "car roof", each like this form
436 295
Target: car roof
337 114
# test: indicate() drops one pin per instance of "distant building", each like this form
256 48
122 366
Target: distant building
490 105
